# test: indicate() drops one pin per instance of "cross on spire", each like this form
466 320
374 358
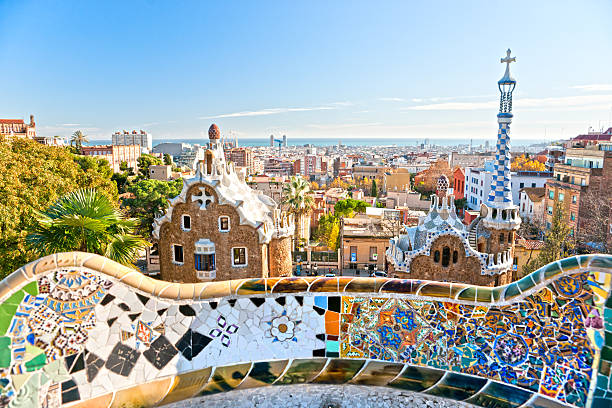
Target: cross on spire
508 59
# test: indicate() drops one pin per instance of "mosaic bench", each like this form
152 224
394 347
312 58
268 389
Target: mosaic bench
79 330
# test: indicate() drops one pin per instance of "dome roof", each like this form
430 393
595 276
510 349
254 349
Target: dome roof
214 132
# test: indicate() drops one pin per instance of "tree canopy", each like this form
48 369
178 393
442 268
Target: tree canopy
144 161
150 197
349 206
557 244
523 162
31 177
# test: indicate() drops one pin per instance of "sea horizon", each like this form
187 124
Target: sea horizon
357 142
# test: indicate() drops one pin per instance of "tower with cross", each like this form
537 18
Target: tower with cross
499 214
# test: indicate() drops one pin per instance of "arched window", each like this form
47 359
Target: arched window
445 256
501 238
455 257
437 256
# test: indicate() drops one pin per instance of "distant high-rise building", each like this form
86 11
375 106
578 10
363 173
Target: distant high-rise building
284 140
271 140
140 138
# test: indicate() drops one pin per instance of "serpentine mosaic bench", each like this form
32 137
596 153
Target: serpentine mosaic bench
80 330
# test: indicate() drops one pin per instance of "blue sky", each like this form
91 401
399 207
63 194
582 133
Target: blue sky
320 69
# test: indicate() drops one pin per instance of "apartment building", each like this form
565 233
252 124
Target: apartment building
586 169
140 138
478 183
115 155
241 157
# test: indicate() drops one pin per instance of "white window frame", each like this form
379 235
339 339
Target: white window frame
174 261
229 226
183 222
246 258
206 247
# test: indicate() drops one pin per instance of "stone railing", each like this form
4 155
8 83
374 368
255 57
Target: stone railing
82 331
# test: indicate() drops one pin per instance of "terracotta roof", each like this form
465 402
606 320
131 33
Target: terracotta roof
531 243
535 194
12 121
597 136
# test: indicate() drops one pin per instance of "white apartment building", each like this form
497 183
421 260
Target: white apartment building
478 183
531 203
140 138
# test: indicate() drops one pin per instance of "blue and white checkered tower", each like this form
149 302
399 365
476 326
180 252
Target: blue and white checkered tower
499 211
500 196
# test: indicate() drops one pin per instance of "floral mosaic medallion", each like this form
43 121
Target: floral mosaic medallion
282 328
510 349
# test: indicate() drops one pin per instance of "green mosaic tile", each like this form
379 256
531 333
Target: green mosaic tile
302 371
569 263
526 283
457 386
31 288
601 262
608 338
551 270
417 378
497 395
339 371
467 294
8 309
37 362
5 352
511 291
606 353
602 402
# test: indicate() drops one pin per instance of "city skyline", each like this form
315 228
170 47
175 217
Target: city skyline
320 72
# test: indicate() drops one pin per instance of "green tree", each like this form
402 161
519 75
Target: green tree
374 191
558 242
167 159
348 207
78 138
334 237
298 201
86 220
144 161
121 179
150 199
33 175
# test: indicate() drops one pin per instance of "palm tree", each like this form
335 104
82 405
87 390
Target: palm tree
86 220
297 200
78 138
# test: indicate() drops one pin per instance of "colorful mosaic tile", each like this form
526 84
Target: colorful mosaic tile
77 334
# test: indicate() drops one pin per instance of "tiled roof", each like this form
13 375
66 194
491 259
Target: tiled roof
11 121
535 194
531 243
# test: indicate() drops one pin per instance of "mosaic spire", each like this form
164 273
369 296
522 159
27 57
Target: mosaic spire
501 194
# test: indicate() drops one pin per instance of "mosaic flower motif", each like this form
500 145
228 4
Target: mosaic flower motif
282 328
510 349
224 331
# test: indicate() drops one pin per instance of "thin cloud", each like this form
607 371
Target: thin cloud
582 102
449 98
265 112
343 125
70 124
594 87
391 99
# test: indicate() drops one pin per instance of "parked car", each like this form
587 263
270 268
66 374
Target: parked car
330 275
379 274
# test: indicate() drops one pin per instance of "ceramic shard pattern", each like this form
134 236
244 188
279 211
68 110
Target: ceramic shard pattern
76 335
